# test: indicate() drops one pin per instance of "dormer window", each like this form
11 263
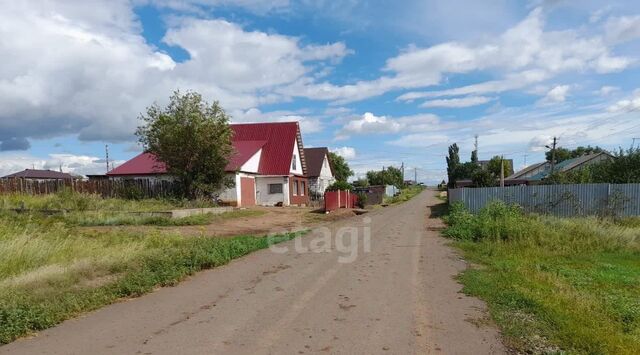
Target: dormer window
293 162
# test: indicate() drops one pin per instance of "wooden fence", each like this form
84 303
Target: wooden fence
135 188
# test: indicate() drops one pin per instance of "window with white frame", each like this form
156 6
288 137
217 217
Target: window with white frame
293 162
295 188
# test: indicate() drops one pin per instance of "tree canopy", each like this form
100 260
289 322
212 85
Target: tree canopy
341 169
494 166
388 176
453 161
193 138
563 154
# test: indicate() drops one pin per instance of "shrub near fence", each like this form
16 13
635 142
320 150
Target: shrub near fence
558 200
132 189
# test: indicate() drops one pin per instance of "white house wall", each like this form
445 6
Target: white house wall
264 198
251 166
231 194
296 151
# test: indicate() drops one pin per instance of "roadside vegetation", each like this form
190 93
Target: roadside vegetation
405 194
107 218
554 285
51 270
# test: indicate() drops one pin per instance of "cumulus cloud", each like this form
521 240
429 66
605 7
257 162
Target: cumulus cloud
252 115
627 105
556 94
525 51
458 102
345 152
85 68
370 123
69 163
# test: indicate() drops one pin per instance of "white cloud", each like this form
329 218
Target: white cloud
345 152
556 94
370 123
627 105
607 90
70 163
307 124
458 102
85 68
622 29
525 53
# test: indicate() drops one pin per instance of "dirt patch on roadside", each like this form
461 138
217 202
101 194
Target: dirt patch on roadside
273 220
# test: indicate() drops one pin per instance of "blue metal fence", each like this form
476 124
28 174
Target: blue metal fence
558 200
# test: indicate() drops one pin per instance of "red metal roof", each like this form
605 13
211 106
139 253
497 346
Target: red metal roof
40 174
280 138
244 150
142 164
276 140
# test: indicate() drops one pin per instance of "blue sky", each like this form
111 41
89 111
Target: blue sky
380 82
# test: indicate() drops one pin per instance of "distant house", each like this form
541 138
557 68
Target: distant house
268 166
539 171
39 175
319 170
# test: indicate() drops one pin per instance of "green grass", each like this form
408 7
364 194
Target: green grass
68 200
108 218
554 285
405 195
51 271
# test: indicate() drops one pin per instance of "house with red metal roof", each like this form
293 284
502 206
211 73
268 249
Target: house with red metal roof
319 170
268 166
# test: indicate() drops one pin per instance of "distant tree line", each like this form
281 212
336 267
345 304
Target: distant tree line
472 170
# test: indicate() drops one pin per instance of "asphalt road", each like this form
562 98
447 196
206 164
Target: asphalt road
397 296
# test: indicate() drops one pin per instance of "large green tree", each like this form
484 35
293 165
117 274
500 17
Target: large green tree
388 176
494 166
341 169
193 138
453 161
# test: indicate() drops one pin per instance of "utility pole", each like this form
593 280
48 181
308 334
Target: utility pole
415 175
106 150
502 171
553 153
402 169
525 159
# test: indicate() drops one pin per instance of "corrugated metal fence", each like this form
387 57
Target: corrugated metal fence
558 200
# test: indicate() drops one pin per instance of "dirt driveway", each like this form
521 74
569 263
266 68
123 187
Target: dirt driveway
396 296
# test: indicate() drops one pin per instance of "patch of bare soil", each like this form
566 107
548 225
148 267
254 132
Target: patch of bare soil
274 220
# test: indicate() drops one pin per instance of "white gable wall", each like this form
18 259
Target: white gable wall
251 166
296 152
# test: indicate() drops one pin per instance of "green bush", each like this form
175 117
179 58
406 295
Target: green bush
340 185
496 221
362 199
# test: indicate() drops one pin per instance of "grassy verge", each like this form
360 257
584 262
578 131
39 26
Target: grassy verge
106 218
405 195
554 285
85 202
50 271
